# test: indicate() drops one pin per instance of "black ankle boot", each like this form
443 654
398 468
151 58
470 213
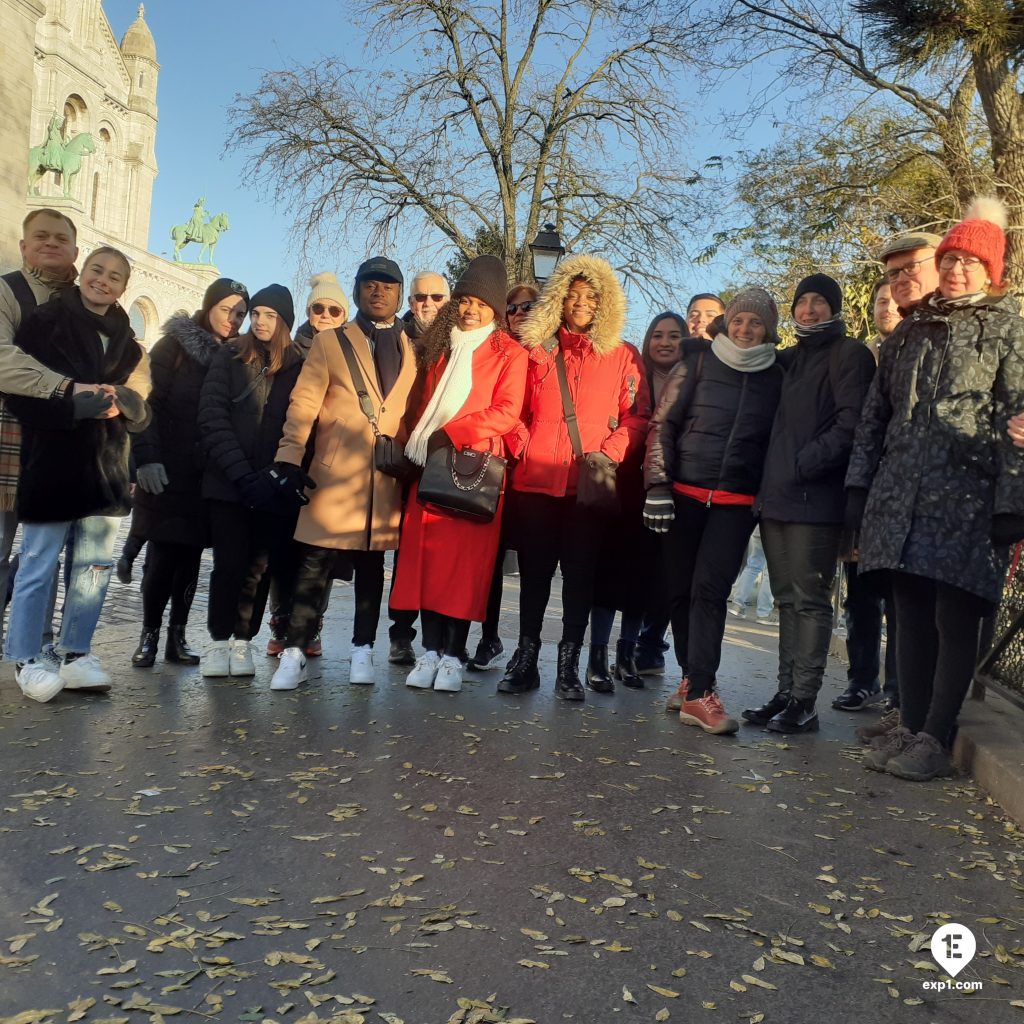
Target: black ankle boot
599 679
567 682
797 716
145 653
767 711
522 673
625 665
177 649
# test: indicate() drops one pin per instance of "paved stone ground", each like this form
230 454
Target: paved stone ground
377 854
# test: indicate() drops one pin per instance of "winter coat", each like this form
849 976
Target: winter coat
179 362
241 415
354 507
826 380
606 378
445 564
932 445
71 469
712 434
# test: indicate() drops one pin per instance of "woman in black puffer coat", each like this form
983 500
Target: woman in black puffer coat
252 509
169 468
705 454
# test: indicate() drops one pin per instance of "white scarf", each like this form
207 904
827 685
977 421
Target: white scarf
452 390
746 360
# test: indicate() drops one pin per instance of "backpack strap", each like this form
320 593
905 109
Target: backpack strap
365 402
21 291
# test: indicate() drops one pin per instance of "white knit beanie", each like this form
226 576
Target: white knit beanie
325 288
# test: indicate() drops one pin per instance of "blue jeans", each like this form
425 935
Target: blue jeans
756 566
93 563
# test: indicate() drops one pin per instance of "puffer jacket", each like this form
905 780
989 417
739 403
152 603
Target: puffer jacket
242 411
712 434
606 379
932 444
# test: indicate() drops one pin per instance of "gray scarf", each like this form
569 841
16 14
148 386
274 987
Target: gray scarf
746 360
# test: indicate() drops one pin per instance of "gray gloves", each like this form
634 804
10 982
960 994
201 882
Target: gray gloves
152 477
91 405
659 509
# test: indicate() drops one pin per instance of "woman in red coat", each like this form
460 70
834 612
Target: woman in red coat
577 321
473 388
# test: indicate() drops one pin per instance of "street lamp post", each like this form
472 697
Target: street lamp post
547 250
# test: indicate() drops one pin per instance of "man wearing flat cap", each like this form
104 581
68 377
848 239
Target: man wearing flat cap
909 261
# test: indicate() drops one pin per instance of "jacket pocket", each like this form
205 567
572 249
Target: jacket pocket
331 434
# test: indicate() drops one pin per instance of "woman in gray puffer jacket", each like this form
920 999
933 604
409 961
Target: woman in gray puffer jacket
939 485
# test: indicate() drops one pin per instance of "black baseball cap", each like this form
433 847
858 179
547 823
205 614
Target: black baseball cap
382 268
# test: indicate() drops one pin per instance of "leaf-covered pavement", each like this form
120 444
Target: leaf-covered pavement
189 850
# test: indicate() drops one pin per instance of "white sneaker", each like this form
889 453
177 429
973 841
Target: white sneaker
360 672
422 676
737 609
38 681
449 675
240 661
84 673
291 671
216 660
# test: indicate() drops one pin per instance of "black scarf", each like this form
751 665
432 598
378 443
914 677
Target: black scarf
820 334
83 351
386 343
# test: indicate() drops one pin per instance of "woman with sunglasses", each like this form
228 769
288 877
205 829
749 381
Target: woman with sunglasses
518 304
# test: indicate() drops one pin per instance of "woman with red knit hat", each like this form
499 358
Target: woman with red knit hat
938 485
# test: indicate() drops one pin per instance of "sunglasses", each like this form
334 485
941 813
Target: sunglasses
519 307
318 309
423 296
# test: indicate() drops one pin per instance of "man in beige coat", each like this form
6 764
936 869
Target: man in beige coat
353 508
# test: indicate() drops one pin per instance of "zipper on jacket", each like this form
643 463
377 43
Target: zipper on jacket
253 385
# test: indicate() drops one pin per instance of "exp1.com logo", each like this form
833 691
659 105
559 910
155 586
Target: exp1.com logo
953 947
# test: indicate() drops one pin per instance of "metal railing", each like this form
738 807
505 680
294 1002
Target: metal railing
1002 668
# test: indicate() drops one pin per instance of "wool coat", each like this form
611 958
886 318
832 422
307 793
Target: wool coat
179 362
932 446
606 378
354 507
445 563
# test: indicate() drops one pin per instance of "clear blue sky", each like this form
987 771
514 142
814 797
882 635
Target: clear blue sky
208 52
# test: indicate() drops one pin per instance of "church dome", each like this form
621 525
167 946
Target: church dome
138 40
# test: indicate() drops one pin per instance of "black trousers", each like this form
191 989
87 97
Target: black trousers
247 547
551 533
802 561
312 580
444 634
171 574
937 650
704 549
866 606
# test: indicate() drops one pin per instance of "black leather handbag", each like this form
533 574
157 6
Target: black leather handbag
464 483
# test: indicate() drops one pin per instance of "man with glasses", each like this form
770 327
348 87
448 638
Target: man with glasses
910 270
429 293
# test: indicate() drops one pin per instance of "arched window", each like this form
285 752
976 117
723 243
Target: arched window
142 317
75 116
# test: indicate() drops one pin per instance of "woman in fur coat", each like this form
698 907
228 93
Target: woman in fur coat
577 322
169 468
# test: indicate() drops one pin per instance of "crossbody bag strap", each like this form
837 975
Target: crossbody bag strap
568 409
365 402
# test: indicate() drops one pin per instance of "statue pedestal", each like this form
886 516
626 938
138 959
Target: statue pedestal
56 203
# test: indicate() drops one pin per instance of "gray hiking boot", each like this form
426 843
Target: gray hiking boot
924 759
888 722
888 746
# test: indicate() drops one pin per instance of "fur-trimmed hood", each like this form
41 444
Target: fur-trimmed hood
546 315
196 341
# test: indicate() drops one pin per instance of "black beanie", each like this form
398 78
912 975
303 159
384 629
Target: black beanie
279 299
221 289
825 286
485 278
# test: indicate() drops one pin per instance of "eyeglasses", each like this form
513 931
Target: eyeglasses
423 296
949 261
910 269
318 309
519 307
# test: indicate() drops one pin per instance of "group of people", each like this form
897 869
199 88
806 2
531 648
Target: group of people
485 421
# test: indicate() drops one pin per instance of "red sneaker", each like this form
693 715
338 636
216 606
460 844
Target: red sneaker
708 713
276 643
675 702
314 649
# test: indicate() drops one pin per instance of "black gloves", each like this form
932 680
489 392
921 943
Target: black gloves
257 490
90 405
660 509
290 482
1007 529
856 502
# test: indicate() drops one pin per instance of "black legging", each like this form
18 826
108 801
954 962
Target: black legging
444 634
171 573
936 651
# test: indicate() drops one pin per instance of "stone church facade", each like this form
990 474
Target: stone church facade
62 62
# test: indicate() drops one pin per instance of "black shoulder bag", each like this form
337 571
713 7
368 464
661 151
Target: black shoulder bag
464 483
388 452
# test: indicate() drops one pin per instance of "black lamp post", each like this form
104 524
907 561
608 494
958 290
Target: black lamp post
547 250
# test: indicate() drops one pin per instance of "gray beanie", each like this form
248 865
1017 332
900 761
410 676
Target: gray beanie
753 299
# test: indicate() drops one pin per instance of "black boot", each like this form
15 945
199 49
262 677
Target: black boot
625 665
599 679
567 682
145 653
177 649
766 712
797 716
522 673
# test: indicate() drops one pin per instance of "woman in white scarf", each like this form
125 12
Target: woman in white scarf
474 383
